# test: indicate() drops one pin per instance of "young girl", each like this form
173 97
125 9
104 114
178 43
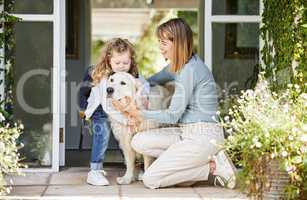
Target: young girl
117 56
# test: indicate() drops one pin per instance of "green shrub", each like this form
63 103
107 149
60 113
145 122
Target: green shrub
9 156
265 126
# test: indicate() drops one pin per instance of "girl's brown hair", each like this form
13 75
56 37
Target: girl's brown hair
180 34
103 68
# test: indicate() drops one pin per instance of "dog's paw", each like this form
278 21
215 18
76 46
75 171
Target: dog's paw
140 175
124 180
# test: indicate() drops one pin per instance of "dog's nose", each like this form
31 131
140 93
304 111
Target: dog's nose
110 90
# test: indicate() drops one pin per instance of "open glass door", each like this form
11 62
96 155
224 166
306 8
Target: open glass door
39 56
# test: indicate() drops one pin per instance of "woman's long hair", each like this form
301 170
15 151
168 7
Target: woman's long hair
103 68
180 34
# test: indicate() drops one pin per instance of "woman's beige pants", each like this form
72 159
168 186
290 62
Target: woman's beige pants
182 153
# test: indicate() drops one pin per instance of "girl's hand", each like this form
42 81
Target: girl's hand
82 114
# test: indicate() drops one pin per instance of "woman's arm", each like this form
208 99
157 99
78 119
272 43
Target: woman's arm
184 85
161 77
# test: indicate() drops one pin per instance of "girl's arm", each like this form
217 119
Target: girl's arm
92 102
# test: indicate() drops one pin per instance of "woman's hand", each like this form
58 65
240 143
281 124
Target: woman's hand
145 102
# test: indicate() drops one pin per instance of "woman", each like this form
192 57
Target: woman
184 152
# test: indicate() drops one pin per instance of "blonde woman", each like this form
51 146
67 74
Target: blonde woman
185 152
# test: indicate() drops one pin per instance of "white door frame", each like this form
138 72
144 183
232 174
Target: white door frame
209 19
58 72
2 67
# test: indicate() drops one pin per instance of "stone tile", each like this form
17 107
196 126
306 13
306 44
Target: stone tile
217 193
68 178
26 191
74 169
139 192
75 177
82 190
139 187
86 169
70 183
30 179
160 196
133 185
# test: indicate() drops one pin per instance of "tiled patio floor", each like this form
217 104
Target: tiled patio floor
71 184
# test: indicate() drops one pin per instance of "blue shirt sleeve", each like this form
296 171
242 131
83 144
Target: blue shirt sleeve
85 89
162 77
182 94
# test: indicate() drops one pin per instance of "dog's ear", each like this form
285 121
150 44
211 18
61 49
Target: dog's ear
138 94
138 85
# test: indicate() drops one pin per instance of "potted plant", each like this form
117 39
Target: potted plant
268 138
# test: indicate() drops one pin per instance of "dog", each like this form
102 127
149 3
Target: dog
124 95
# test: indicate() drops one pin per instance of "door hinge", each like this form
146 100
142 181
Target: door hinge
61 138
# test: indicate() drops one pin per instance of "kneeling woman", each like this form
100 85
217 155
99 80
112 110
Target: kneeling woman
184 151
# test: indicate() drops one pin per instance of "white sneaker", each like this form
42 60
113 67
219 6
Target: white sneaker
225 172
95 177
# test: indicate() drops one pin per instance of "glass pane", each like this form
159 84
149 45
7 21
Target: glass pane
32 90
235 55
235 7
29 6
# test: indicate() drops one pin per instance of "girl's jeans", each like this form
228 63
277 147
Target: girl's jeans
101 133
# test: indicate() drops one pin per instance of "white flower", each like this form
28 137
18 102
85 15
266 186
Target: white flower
297 159
255 139
258 144
286 108
218 112
304 138
289 168
2 118
267 134
297 86
303 149
290 137
273 155
230 137
21 126
290 85
293 118
249 92
226 118
230 130
2 146
294 129
284 153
